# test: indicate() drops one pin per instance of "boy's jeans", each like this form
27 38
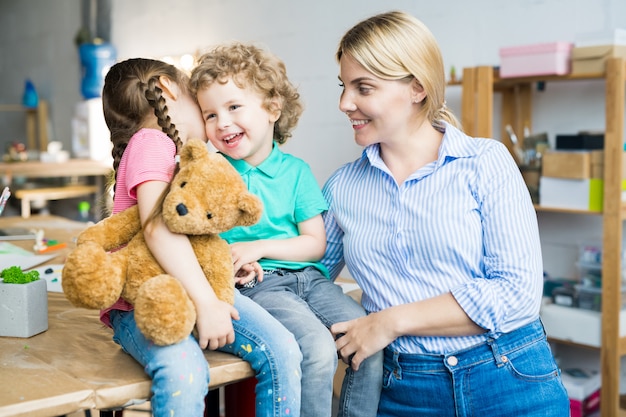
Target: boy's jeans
307 303
180 375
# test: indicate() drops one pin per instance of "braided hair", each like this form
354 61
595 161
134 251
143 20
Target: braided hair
131 95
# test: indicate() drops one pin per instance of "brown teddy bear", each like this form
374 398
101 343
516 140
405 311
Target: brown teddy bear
206 197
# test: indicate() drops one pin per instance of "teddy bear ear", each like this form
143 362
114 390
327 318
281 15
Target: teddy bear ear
251 209
192 150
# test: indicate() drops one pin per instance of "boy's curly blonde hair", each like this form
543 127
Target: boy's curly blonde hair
252 67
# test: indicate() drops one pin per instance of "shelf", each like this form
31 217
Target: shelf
36 123
609 326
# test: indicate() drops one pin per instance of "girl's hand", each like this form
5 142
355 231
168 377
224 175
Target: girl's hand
358 339
214 324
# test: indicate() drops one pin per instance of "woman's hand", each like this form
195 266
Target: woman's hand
358 339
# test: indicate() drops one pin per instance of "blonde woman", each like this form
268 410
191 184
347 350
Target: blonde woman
439 231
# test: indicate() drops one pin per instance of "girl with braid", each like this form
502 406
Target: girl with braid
151 114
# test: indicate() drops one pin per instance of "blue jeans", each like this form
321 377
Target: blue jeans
307 304
180 373
514 375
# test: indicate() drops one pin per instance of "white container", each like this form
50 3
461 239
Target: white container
90 134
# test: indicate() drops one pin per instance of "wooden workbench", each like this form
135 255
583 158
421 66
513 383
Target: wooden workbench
75 365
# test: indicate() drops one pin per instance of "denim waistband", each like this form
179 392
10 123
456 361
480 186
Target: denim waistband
490 350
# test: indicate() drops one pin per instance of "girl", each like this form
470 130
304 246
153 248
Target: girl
141 99
439 231
250 107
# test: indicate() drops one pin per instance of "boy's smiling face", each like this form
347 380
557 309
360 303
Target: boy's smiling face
236 122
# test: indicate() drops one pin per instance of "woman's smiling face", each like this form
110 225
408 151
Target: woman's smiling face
378 109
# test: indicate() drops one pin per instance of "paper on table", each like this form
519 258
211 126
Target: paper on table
52 274
12 255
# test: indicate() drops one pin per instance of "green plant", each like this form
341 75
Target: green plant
15 275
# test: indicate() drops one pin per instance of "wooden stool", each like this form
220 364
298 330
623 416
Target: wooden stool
52 193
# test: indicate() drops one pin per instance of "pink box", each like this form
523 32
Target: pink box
539 59
587 407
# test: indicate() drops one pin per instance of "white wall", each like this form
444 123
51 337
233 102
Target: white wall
470 33
36 41
305 34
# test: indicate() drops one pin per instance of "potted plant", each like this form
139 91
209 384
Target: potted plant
23 303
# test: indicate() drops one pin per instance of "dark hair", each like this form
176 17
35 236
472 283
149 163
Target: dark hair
131 94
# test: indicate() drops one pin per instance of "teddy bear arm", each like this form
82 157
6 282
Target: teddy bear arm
113 231
214 256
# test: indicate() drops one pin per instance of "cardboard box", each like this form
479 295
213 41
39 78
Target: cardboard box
597 164
591 59
566 164
538 59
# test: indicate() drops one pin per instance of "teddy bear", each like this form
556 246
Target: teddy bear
111 259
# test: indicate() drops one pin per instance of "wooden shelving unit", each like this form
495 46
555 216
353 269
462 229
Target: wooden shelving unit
36 123
478 87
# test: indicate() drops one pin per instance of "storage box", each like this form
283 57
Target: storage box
566 164
583 390
597 164
576 325
575 194
590 298
591 59
23 308
538 59
580 141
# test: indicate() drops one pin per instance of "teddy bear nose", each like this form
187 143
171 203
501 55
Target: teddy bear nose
181 209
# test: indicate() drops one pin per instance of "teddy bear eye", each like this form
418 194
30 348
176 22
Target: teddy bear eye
209 216
182 184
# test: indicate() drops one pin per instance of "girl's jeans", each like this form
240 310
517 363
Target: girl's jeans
307 303
180 373
514 375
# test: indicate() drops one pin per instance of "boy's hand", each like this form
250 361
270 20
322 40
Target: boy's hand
249 275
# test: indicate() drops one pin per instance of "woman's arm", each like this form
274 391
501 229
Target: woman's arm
176 256
437 316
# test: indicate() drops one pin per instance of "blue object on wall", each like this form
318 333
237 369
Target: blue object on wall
96 59
30 98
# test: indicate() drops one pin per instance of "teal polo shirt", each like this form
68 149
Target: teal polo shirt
290 195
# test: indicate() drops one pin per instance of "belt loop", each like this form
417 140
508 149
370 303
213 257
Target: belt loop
493 344
397 369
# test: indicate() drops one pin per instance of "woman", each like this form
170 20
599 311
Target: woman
439 231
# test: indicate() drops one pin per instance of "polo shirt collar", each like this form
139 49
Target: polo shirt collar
270 166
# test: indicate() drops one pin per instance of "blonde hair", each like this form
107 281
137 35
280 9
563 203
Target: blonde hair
251 66
397 46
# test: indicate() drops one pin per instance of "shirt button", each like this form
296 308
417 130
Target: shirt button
452 361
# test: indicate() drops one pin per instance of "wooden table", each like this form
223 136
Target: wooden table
74 169
75 365
69 168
